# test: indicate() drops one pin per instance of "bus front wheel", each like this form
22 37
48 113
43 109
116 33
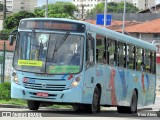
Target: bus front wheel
33 105
95 106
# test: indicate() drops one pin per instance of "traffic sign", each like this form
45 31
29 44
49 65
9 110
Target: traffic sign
100 19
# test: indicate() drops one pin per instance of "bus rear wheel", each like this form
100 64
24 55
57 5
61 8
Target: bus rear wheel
133 105
95 106
33 105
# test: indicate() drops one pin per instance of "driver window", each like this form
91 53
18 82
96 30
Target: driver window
90 48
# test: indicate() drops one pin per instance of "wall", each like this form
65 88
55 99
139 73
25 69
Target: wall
8 63
1 25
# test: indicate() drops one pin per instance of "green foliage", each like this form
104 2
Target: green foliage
14 102
5 90
13 21
57 10
4 34
113 7
1 7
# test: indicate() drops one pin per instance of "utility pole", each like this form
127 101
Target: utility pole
46 12
4 55
4 9
82 11
124 15
105 13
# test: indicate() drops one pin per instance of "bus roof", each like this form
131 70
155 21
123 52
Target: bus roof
107 32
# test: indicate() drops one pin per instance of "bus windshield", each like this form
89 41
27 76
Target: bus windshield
50 53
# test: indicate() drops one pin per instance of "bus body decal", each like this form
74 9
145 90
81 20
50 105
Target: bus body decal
143 86
123 81
112 86
30 63
148 82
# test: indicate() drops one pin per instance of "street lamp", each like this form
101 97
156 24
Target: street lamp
46 12
124 14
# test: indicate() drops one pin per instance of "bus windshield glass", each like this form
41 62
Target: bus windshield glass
50 53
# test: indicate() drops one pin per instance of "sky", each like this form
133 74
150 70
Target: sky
41 2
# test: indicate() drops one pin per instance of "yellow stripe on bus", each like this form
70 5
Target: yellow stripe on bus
30 63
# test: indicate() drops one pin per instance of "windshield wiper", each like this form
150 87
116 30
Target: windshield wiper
56 48
63 40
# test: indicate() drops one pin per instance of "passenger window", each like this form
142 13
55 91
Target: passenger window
147 61
153 62
101 49
121 54
131 57
112 51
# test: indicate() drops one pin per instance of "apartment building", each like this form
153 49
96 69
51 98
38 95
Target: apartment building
140 4
18 5
85 6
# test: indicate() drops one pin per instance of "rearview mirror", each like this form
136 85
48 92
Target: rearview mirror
11 40
12 36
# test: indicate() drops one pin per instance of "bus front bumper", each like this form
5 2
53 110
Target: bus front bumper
72 95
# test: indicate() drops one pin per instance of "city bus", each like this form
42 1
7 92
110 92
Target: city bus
63 61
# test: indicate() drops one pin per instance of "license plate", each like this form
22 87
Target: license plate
31 81
42 94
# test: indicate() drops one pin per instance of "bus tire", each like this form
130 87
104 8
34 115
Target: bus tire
95 106
133 105
33 105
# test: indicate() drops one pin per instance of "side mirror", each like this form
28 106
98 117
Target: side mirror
11 39
12 36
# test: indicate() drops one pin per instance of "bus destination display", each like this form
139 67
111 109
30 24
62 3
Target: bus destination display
52 25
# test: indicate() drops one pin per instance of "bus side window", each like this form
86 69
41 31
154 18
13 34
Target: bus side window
111 51
153 62
125 55
121 54
147 61
143 60
131 64
100 49
138 59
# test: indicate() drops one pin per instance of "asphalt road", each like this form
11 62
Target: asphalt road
149 112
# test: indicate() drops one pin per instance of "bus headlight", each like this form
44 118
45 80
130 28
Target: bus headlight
76 81
15 77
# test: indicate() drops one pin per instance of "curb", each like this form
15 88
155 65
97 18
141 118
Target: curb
139 109
11 106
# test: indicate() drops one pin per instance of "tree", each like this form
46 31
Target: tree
57 10
13 21
1 7
113 7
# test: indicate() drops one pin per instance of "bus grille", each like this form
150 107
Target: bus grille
47 87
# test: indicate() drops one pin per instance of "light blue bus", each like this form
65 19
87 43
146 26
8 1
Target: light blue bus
66 61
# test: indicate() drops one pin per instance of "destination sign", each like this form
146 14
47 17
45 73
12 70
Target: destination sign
52 25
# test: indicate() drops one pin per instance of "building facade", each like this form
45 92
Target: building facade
140 4
18 5
85 6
